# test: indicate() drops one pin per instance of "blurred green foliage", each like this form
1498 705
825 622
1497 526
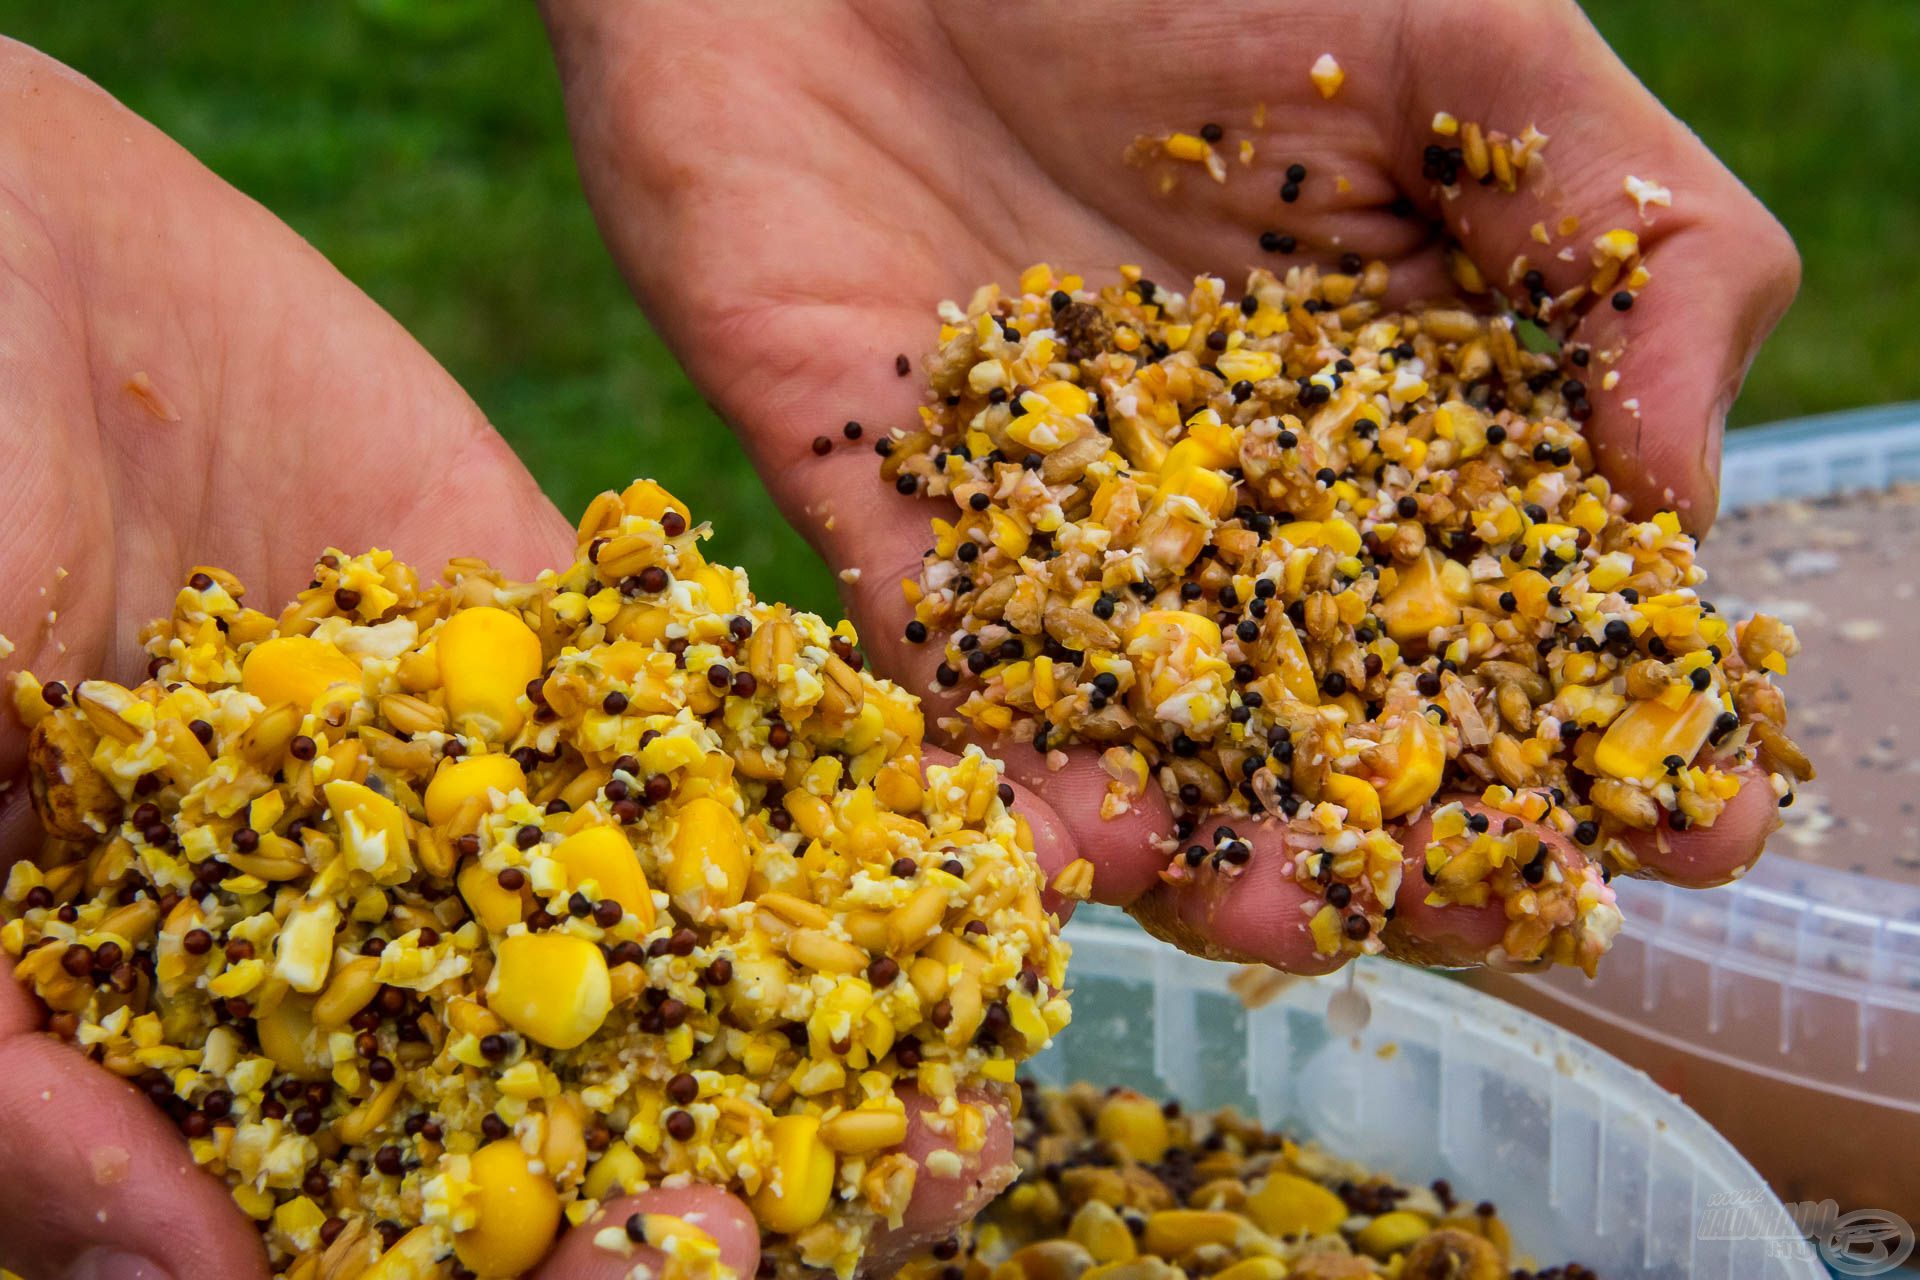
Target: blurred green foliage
420 145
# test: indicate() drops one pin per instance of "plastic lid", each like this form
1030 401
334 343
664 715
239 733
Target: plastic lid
1587 1159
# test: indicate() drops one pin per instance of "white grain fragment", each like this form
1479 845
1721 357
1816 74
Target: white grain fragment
1644 193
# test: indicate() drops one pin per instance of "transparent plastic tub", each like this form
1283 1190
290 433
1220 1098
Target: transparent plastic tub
1784 1008
1587 1159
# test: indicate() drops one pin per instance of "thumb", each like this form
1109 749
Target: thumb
630 1233
103 1187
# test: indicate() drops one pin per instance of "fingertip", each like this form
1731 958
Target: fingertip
1127 850
1255 914
1703 857
954 1185
602 1249
111 1178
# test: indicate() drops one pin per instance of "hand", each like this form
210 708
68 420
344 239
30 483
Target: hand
792 189
188 382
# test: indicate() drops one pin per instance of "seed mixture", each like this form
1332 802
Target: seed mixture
1292 556
1116 1186
435 914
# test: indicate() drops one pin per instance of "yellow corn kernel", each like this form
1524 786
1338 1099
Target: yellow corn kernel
1416 754
1357 797
898 786
413 1257
1390 1233
373 830
1206 489
471 777
800 1183
286 1036
487 659
1428 594
1327 75
1066 396
1173 1232
296 669
494 907
1194 453
862 1132
1135 1124
1296 673
618 1167
1166 625
710 865
1187 146
650 500
517 1213
1261 1267
1099 1229
354 986
1287 1204
718 583
550 987
1638 742
603 856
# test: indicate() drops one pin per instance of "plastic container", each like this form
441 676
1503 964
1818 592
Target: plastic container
1588 1159
1784 1008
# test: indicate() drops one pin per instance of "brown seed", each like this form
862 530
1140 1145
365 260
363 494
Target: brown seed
683 1088
680 1126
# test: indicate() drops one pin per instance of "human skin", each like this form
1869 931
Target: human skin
184 381
791 188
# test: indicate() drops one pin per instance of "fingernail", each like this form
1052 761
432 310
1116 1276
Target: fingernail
1716 441
111 1264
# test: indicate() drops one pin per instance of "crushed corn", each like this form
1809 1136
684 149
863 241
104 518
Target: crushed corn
1295 556
1107 1193
434 914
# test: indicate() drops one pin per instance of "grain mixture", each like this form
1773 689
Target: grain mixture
436 913
1116 1186
1293 556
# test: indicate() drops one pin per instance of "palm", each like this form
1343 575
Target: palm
186 382
793 191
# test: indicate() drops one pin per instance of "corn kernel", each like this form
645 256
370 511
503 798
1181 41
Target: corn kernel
1637 743
1134 1124
1287 1204
517 1213
603 856
709 868
298 670
1390 1233
800 1183
550 987
487 659
471 777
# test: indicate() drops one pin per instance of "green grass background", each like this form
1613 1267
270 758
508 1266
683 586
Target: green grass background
420 145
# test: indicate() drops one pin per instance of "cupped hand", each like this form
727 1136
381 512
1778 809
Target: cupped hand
184 381
792 189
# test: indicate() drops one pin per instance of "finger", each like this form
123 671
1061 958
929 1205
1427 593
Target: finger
1255 914
1702 857
113 1188
1722 269
1452 935
1128 848
1053 845
602 1248
951 1186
